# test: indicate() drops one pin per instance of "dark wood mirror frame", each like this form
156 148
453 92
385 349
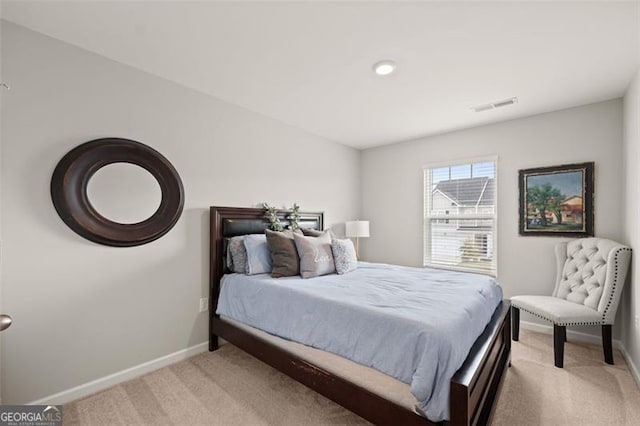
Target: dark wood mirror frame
69 192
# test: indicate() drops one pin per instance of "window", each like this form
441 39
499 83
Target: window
460 216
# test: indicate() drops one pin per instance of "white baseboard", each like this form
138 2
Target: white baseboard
587 338
121 376
632 366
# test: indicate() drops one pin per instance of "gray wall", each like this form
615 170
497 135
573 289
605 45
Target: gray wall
81 310
392 186
631 150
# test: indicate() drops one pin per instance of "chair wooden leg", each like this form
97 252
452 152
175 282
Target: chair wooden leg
559 336
515 323
607 344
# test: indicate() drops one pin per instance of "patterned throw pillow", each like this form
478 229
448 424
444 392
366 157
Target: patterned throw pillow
344 256
237 255
315 254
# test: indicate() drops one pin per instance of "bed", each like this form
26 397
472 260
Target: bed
472 392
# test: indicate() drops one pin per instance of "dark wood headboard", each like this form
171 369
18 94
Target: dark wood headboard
229 222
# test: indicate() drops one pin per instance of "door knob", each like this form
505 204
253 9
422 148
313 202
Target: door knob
5 322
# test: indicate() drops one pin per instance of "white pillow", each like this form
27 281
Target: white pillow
344 256
258 254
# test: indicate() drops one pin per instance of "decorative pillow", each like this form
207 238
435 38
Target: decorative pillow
237 255
284 255
258 256
344 256
308 232
315 254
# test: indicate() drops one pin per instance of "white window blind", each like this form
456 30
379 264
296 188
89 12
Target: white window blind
460 206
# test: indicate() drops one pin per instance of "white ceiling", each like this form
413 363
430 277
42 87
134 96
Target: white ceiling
308 64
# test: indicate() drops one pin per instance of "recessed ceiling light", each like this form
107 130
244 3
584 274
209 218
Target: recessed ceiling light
385 67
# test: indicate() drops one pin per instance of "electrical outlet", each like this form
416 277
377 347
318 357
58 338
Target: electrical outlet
204 304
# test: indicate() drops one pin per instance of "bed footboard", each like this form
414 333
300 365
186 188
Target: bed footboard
476 386
361 401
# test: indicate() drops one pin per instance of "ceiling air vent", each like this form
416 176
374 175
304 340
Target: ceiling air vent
494 105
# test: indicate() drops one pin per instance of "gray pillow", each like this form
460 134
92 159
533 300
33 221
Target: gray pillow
344 256
315 254
258 256
284 255
308 232
237 255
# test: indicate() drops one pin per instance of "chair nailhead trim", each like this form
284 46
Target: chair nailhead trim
615 281
559 323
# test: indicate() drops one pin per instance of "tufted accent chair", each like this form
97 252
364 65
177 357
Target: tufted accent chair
590 276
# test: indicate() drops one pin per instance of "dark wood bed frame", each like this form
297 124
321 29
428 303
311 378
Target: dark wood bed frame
474 388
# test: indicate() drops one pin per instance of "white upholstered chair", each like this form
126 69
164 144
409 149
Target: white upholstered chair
590 276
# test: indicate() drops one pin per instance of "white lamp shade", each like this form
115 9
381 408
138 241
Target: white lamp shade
358 228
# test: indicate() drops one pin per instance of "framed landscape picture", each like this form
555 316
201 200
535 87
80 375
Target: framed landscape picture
557 201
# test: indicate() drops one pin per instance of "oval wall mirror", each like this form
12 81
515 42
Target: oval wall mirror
124 193
107 210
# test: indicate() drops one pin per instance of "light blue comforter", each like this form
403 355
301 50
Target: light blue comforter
414 324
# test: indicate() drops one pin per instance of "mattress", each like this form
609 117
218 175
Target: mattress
414 324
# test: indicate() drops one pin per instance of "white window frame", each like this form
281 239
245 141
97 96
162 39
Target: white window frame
427 218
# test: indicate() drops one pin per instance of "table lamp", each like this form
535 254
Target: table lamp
357 229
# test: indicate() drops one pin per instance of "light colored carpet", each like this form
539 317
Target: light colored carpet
229 387
585 392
